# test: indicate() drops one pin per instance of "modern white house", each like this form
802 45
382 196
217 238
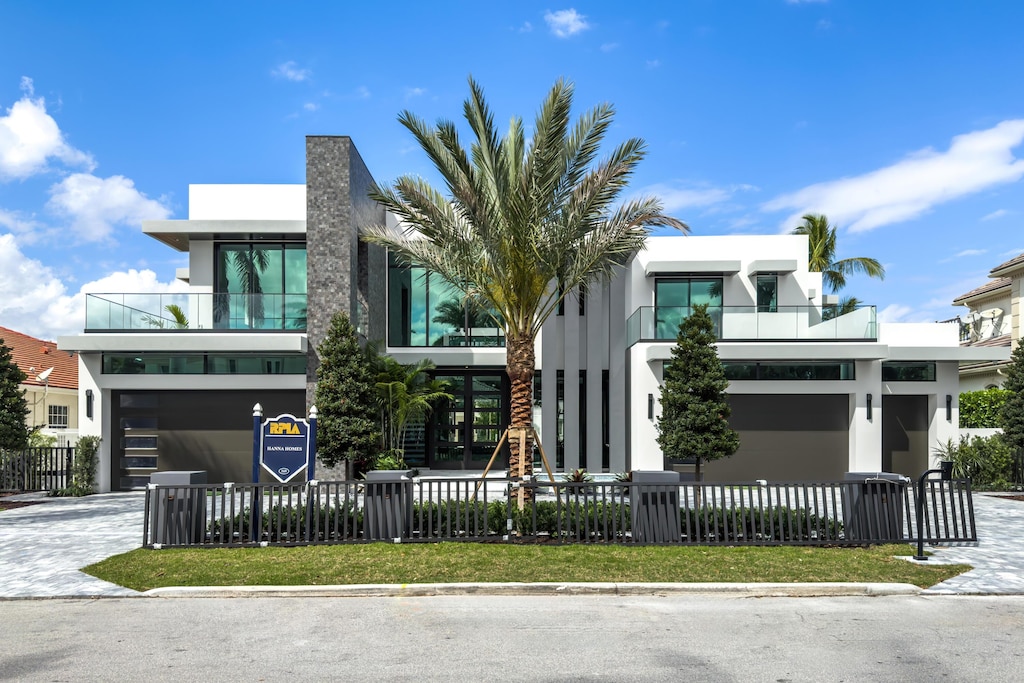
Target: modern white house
993 319
169 380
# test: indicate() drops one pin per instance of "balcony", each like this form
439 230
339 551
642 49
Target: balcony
191 312
748 323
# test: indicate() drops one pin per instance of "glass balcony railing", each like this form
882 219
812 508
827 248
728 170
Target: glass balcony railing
753 323
187 311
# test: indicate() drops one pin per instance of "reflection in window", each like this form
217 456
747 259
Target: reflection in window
908 371
767 293
674 299
789 370
260 286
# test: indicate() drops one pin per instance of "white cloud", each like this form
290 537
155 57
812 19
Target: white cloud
894 313
290 71
824 25
675 197
362 93
608 47
566 22
909 188
311 106
33 299
805 2
95 205
29 138
965 252
653 63
414 92
526 27
998 213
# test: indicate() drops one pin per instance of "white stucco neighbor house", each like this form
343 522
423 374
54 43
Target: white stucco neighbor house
993 319
169 380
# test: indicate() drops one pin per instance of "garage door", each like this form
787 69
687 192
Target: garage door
787 438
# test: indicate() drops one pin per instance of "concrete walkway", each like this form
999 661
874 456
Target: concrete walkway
43 546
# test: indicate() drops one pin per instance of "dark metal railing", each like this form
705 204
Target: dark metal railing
450 509
36 469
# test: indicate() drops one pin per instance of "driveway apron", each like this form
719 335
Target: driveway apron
43 546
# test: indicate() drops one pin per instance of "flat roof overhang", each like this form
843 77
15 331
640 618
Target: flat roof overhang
779 266
703 267
177 234
185 342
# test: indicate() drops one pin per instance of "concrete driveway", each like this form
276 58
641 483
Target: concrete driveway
43 546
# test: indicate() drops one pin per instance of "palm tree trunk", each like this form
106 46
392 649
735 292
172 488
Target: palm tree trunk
520 363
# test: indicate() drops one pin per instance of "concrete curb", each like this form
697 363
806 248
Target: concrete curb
415 590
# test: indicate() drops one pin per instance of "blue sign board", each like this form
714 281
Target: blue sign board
285 447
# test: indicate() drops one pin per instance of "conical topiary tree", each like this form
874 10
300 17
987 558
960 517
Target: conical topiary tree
348 427
1011 415
14 432
694 406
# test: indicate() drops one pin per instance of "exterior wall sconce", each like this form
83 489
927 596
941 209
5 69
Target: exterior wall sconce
869 406
88 403
949 408
650 406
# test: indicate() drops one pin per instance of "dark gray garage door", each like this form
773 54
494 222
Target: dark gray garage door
783 437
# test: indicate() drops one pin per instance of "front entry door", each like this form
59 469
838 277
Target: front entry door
466 430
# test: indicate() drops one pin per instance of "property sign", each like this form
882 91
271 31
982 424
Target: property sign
285 446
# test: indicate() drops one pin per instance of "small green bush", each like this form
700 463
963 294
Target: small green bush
980 409
83 469
987 461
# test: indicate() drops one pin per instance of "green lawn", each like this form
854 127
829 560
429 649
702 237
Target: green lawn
457 562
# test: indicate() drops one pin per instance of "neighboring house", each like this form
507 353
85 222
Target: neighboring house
993 320
813 395
51 385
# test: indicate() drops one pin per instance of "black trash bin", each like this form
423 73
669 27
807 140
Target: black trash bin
387 505
654 507
180 512
873 506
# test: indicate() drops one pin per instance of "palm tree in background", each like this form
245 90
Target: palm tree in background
821 257
522 223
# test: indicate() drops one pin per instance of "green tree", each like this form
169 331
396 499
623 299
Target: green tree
463 314
405 393
14 432
821 247
523 223
346 399
1011 415
694 405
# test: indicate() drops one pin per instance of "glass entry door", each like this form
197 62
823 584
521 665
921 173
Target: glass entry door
465 431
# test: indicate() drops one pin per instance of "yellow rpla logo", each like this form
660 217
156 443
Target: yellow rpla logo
288 428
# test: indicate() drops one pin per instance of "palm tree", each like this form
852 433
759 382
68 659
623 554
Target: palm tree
523 223
404 393
464 314
822 253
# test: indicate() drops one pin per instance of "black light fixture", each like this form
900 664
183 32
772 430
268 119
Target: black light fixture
88 403
949 407
869 406
650 406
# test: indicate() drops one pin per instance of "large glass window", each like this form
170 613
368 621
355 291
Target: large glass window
202 364
260 286
674 299
425 310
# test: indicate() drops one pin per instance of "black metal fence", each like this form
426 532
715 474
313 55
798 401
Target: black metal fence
36 469
431 510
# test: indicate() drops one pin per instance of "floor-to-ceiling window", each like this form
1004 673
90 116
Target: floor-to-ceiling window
675 297
260 285
425 310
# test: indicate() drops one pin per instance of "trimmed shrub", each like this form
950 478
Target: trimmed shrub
980 409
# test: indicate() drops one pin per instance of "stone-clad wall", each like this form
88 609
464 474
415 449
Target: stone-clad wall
372 260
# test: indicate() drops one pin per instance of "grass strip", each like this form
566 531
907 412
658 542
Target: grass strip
375 563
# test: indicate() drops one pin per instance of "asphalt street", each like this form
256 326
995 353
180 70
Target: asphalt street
488 638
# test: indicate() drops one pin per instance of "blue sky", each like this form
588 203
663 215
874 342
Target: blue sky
902 121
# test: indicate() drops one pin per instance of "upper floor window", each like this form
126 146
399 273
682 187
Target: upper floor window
425 310
908 371
767 293
674 299
260 286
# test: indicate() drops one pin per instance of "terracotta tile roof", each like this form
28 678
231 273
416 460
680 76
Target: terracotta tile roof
1015 263
34 356
984 289
1001 340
